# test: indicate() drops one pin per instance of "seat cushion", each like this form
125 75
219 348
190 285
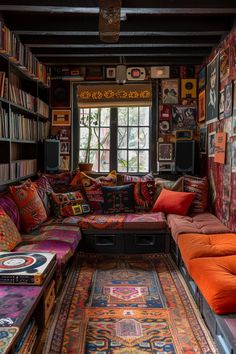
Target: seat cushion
145 221
201 245
203 223
216 279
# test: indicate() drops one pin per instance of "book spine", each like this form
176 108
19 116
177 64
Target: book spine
16 279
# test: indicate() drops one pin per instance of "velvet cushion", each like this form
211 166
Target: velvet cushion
69 204
92 187
200 187
44 189
30 205
10 207
119 199
170 202
9 234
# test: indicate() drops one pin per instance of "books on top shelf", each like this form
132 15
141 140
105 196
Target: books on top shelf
22 168
30 268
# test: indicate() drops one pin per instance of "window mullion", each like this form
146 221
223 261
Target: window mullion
113 137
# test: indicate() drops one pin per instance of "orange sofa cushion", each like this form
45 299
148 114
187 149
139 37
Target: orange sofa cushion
216 279
201 245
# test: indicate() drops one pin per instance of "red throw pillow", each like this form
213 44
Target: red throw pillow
170 202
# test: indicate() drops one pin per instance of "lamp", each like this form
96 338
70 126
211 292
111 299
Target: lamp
109 20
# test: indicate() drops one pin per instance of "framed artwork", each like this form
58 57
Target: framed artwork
202 106
170 91
224 63
203 140
233 125
212 90
211 144
60 94
64 147
228 100
110 73
165 119
188 88
64 162
165 151
233 153
221 104
202 78
61 117
220 146
184 117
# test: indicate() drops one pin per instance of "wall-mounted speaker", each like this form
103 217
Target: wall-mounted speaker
60 93
185 156
49 155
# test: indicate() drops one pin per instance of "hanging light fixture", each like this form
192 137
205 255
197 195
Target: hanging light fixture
109 20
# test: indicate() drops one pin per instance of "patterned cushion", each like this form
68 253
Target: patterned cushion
119 199
69 204
200 187
10 207
58 178
30 205
44 189
143 195
9 234
176 186
92 187
130 179
145 221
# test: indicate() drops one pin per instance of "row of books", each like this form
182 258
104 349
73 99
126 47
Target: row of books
23 128
28 338
43 130
4 126
4 172
23 168
42 108
11 46
20 97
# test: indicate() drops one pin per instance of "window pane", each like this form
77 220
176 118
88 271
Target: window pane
122 160
104 160
94 118
94 138
144 116
83 138
105 117
133 138
133 116
104 138
122 137
82 155
133 161
93 158
143 138
143 161
123 116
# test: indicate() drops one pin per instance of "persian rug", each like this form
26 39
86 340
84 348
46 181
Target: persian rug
126 304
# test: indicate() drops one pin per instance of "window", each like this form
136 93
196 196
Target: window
115 138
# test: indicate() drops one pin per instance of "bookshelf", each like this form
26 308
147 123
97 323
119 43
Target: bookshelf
24 108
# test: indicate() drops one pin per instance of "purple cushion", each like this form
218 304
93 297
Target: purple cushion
10 207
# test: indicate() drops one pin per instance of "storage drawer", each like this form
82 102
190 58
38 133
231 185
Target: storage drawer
144 243
104 243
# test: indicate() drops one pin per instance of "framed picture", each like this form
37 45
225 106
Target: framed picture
228 100
184 117
110 73
170 91
202 106
61 117
165 151
64 147
220 146
188 88
233 153
203 140
222 104
211 144
212 90
64 163
224 64
202 79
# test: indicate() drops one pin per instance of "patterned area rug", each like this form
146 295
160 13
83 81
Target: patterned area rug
129 304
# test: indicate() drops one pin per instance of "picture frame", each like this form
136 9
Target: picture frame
228 100
202 79
221 103
203 140
224 63
64 147
220 147
110 73
202 106
188 88
170 91
165 151
61 117
184 118
211 144
212 90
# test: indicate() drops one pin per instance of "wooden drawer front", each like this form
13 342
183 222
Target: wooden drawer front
104 243
143 243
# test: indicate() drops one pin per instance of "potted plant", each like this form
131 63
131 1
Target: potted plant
89 121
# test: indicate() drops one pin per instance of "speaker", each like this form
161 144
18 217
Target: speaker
60 93
49 155
184 156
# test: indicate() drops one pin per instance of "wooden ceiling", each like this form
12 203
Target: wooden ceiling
152 32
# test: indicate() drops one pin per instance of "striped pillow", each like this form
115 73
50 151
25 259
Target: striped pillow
200 187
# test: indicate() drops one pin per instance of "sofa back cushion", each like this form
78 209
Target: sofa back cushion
119 199
133 179
10 207
200 187
56 179
30 205
176 186
9 234
69 204
44 189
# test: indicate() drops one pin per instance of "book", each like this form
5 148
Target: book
29 268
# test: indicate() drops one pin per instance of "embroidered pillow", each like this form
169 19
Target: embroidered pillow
10 207
92 187
69 204
58 178
200 187
170 202
44 189
126 179
143 195
9 234
119 199
30 205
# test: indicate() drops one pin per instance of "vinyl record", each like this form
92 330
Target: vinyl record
164 126
21 262
188 88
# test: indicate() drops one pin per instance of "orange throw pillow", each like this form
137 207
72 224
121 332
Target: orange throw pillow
30 205
170 202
